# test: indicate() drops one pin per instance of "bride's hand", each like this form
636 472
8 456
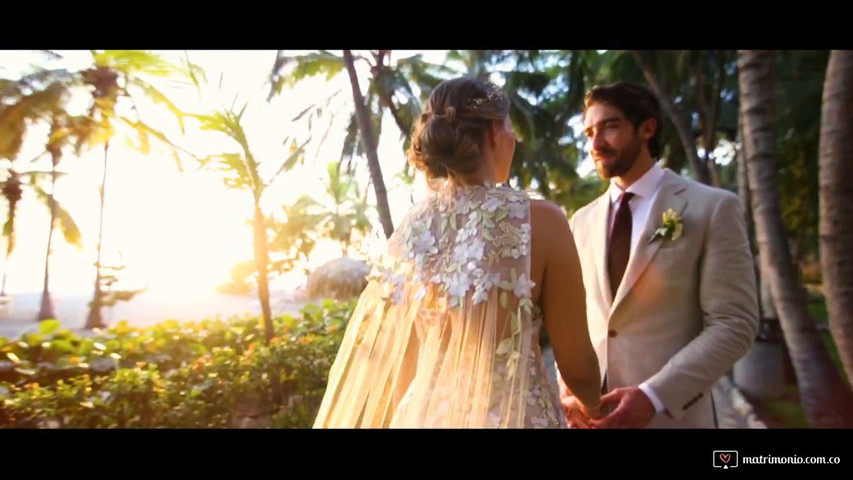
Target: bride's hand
591 412
577 414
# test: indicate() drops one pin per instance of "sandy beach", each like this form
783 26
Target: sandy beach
146 309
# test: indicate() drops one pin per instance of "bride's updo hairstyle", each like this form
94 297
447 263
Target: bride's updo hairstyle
448 137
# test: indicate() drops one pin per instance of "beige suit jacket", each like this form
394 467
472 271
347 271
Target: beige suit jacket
686 309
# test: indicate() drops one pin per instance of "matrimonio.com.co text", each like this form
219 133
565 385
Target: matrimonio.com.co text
788 460
727 459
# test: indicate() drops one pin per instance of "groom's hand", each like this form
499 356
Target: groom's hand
633 409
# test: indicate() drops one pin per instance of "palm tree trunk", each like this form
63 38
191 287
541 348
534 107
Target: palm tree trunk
826 400
6 266
5 272
262 266
95 319
46 309
709 111
836 201
687 141
369 143
745 201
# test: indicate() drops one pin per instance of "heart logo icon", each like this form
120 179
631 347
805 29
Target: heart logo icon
725 457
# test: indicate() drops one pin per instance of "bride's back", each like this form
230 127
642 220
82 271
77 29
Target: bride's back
446 332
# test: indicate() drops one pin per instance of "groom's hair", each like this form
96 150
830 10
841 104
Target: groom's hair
636 101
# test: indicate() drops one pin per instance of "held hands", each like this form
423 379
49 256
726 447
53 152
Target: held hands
627 407
578 415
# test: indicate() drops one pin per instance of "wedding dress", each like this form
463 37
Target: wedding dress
446 334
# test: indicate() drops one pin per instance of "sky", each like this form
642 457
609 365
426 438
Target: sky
177 230
184 231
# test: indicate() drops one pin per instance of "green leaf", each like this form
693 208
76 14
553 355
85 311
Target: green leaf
297 153
159 97
47 327
33 339
504 347
504 299
62 345
178 162
14 358
66 222
8 233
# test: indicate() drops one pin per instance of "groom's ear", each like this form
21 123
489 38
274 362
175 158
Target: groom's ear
648 128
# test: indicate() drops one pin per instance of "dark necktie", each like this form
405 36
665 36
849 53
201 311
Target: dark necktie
620 243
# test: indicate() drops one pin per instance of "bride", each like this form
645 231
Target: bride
446 333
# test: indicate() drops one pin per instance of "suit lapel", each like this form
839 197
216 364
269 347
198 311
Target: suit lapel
599 247
669 196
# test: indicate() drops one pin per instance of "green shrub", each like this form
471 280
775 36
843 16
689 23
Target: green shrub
209 374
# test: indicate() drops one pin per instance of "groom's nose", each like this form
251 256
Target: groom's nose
599 144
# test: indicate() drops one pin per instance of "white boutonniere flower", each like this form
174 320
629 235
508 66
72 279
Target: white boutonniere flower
672 227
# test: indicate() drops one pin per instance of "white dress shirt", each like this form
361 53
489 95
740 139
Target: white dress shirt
645 189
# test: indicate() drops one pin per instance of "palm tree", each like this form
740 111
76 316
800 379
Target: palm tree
61 131
826 400
836 201
391 87
242 172
369 141
545 93
693 82
12 189
23 100
119 76
340 213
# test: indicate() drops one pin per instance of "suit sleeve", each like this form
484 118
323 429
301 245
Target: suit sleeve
728 299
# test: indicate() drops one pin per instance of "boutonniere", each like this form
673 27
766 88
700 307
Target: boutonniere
671 228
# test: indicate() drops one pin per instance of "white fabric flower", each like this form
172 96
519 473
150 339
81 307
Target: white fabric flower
476 249
458 285
523 286
480 295
491 280
423 241
492 204
517 210
462 205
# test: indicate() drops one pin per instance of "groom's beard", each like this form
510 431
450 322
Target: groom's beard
621 163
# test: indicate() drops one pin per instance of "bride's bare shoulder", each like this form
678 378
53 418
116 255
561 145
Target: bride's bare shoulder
547 220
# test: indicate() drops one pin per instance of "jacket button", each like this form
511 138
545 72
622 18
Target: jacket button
611 333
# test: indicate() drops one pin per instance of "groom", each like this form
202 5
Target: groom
668 273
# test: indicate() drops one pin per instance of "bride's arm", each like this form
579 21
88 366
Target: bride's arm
564 305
